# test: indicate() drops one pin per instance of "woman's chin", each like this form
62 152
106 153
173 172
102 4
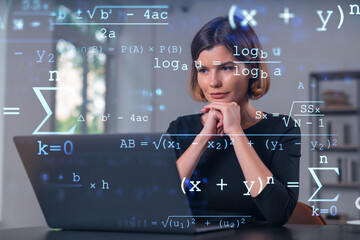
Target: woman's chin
222 100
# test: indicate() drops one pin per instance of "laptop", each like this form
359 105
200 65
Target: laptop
114 182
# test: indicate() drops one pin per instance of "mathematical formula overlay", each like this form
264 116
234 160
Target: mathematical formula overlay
96 84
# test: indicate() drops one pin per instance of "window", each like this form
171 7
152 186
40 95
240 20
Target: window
82 67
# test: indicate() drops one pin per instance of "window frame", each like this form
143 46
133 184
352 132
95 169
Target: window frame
79 39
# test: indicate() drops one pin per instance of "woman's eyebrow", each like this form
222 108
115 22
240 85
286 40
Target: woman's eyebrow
217 63
202 66
222 64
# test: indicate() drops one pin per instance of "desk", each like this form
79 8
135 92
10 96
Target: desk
254 232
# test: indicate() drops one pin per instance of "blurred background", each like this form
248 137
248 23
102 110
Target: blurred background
123 67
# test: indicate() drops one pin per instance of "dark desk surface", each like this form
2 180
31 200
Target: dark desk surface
260 232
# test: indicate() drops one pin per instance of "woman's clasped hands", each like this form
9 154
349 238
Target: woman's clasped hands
221 118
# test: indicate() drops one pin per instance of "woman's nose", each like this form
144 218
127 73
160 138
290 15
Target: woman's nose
215 81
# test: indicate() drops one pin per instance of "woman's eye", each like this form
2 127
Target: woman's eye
227 68
201 70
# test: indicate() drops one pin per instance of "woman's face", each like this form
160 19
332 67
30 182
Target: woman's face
216 76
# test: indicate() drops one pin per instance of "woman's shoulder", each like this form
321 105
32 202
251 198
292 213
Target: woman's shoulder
185 123
280 123
190 117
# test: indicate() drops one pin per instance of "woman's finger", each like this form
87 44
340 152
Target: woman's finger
205 110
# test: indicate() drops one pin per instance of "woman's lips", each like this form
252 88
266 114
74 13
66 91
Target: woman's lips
218 95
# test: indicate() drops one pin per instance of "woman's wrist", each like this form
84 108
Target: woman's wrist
203 137
237 131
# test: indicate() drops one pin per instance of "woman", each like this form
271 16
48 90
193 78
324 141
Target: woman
261 155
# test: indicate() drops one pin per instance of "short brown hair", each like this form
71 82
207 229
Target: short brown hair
219 32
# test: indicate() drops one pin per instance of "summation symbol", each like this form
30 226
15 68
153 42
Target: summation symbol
54 76
45 105
323 160
333 209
